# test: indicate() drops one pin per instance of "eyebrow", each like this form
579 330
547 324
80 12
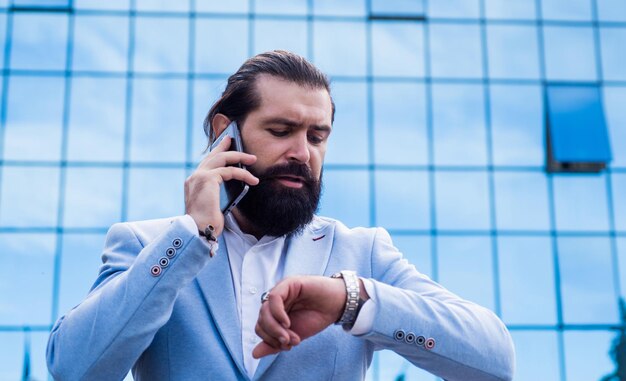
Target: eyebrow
290 123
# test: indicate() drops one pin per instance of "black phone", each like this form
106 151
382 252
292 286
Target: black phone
231 192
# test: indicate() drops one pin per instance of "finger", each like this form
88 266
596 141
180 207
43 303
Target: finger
271 330
263 349
277 307
223 159
236 173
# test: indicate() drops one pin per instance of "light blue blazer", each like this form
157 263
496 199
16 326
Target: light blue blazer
164 308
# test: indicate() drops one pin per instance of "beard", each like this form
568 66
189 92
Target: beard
278 210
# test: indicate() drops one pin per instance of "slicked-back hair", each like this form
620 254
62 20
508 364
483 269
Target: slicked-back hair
240 96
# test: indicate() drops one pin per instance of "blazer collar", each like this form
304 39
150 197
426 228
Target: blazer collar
307 254
216 283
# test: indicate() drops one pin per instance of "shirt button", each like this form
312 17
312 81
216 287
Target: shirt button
253 290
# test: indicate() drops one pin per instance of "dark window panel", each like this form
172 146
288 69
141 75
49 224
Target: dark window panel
578 140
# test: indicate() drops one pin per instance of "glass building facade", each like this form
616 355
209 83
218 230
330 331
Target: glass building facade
440 136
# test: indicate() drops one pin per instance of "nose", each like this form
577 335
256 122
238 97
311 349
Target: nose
299 149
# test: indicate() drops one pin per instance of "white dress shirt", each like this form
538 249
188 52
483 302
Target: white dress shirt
256 266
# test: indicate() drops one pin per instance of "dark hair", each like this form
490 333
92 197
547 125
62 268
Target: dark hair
240 96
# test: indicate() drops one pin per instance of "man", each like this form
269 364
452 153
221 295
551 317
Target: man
164 306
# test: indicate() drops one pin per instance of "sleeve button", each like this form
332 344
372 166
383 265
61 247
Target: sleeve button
399 335
177 243
164 262
409 338
430 343
420 340
155 270
170 252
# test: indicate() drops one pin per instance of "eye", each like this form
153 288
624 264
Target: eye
278 133
315 139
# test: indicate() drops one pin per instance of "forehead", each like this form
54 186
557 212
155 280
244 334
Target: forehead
291 100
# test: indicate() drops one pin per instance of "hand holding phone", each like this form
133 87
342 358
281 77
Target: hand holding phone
208 191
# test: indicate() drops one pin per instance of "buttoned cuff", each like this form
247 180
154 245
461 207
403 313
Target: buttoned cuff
190 224
365 321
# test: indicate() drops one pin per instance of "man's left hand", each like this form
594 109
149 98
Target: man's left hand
298 307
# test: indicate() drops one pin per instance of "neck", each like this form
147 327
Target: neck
246 226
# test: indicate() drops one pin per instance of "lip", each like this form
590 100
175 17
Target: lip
290 181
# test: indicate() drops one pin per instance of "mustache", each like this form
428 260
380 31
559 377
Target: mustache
291 168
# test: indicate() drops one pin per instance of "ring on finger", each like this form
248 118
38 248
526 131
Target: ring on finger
265 297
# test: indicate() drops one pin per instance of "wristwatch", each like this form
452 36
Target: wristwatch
353 299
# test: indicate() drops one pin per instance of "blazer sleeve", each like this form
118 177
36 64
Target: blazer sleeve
134 295
430 326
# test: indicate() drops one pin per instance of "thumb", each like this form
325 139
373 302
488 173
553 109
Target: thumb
263 349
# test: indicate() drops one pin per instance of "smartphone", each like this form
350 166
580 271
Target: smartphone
231 192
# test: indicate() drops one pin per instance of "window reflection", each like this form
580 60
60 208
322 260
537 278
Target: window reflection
402 199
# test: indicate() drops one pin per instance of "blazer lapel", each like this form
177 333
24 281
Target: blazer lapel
307 254
216 284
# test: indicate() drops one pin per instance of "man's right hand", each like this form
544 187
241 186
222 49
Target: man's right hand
202 188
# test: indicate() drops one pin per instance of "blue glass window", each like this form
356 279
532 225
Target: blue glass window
23 202
536 355
98 190
402 199
454 9
292 7
161 44
462 200
398 49
3 21
81 258
348 142
614 98
205 93
38 345
280 34
43 4
618 182
613 55
466 267
587 289
517 125
621 260
339 8
459 124
416 250
510 9
162 5
339 47
569 53
346 196
521 201
28 268
102 5
451 44
155 193
587 354
580 203
400 132
231 6
578 137
611 10
221 45
526 279
96 124
513 51
11 355
44 94
39 41
100 43
397 7
158 120
571 10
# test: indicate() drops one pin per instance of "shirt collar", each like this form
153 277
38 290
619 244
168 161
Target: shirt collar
231 224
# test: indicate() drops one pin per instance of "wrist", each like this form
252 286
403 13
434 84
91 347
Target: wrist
354 301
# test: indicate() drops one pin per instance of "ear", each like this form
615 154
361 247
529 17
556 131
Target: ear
219 123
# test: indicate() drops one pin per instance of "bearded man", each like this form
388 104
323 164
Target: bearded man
184 298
